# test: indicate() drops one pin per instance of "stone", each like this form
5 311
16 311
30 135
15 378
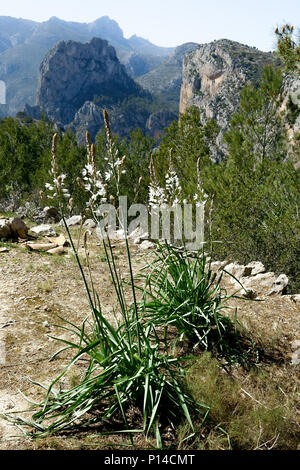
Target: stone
51 213
279 286
147 245
296 358
57 251
218 265
295 298
40 246
256 267
259 284
237 270
18 228
5 229
90 224
73 221
295 344
44 231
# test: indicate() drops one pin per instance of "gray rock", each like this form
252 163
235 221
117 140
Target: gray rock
44 230
237 270
256 267
219 265
213 76
259 284
90 224
75 220
73 73
147 245
5 229
295 344
295 298
296 358
279 285
51 213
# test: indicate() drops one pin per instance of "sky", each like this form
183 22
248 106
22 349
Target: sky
172 22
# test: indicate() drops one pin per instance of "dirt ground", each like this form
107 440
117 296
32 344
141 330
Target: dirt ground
35 288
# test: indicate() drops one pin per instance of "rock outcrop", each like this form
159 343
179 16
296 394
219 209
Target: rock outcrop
291 104
251 281
24 43
213 76
73 73
13 228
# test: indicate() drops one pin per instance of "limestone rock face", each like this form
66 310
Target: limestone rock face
213 76
73 73
291 103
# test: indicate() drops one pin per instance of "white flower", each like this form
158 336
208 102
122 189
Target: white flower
108 175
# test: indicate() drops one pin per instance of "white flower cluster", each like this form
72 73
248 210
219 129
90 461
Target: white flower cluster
173 187
156 196
200 198
57 188
115 166
93 185
114 162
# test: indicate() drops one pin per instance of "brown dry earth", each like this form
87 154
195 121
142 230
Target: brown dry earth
35 287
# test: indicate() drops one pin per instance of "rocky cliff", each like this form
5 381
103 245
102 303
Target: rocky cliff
78 80
213 76
73 73
24 43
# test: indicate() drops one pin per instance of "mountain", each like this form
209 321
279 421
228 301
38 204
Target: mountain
164 81
213 77
77 80
73 73
24 43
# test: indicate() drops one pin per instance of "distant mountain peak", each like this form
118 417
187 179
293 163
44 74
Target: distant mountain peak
106 26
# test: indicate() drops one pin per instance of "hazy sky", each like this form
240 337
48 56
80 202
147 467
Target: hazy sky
172 22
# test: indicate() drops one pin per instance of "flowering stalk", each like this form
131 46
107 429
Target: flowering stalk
92 181
201 197
173 188
115 163
56 189
157 196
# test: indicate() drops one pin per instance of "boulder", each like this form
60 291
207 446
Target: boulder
5 229
44 231
90 224
256 267
73 221
260 284
18 228
296 298
237 270
51 213
280 284
218 265
147 245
